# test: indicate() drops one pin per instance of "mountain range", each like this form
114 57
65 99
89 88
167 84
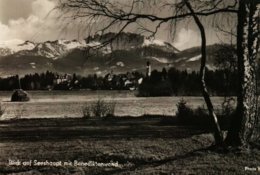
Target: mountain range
128 52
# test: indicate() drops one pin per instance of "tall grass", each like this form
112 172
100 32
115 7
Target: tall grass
99 108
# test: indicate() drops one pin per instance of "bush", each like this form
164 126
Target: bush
184 113
228 106
226 113
99 108
200 117
195 117
19 111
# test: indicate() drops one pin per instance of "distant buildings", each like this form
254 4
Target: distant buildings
129 81
62 79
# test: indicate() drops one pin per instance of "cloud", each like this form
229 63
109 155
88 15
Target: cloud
187 38
38 25
28 28
4 31
41 8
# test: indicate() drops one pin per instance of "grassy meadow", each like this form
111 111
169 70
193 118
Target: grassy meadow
144 145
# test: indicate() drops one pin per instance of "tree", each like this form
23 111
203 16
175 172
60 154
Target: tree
218 134
244 123
113 13
225 58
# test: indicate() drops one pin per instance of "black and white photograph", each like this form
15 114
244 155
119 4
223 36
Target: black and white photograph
129 87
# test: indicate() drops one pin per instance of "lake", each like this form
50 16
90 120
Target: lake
50 104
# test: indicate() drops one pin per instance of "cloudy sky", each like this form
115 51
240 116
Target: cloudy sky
33 20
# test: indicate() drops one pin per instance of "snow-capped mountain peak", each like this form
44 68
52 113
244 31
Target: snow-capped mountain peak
71 44
148 42
13 46
126 53
49 49
160 43
57 48
27 45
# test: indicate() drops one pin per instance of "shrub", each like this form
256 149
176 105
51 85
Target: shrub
19 112
228 106
196 117
184 113
187 115
99 108
200 117
227 112
86 111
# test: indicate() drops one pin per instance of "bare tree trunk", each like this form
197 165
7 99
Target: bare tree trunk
217 131
246 118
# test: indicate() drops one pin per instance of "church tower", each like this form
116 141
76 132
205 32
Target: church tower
148 69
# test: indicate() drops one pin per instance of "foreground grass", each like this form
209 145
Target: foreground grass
139 145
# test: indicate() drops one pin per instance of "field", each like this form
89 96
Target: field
145 145
49 136
62 104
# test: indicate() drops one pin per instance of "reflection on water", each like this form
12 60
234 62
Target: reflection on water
70 103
